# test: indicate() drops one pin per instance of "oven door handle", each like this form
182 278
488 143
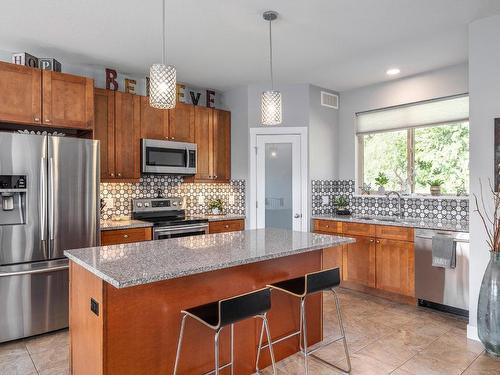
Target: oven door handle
187 157
181 229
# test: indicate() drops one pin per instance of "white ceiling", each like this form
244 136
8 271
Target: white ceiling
338 44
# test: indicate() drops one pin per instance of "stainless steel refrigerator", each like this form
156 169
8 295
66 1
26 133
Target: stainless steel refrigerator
49 197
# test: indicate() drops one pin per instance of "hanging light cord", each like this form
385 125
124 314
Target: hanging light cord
164 47
271 53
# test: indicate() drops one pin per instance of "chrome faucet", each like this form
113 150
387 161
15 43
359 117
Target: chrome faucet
398 195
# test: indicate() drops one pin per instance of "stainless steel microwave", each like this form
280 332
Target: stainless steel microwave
167 157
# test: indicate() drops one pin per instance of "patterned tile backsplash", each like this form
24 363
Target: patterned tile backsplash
197 194
439 208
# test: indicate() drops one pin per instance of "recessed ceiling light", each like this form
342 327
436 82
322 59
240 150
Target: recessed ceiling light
393 71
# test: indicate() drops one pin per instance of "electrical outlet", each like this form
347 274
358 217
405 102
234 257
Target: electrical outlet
231 199
325 200
110 202
94 306
201 200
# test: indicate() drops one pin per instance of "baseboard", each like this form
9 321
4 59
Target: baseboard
472 332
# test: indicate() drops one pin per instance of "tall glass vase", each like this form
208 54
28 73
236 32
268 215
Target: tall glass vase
488 313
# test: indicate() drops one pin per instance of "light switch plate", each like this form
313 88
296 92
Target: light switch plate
325 200
110 202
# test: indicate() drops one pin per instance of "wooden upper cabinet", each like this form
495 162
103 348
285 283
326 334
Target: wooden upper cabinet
20 99
359 261
395 266
181 123
127 136
104 128
203 125
222 145
154 122
68 100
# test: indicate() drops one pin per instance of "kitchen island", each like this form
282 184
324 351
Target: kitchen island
125 300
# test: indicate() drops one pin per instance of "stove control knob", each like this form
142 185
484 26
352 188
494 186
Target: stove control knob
174 204
139 204
146 204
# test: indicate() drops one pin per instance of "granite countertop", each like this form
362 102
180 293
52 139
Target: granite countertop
146 262
458 226
223 217
124 224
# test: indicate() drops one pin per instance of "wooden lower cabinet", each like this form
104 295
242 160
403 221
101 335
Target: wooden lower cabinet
332 258
121 236
395 264
382 258
359 261
226 226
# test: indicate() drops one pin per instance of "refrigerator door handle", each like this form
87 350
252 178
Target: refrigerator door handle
51 204
35 271
43 205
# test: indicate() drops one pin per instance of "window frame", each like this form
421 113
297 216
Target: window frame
410 149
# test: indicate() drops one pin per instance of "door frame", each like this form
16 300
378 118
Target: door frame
304 167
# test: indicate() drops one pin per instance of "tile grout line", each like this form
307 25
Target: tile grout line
470 364
419 351
31 358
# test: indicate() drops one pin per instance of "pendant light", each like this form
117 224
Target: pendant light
271 105
162 78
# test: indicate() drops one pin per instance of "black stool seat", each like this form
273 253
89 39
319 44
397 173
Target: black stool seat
310 283
208 313
295 286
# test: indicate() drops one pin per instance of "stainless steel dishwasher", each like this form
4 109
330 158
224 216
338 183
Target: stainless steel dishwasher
442 288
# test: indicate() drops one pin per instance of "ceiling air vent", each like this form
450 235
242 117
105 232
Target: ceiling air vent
329 100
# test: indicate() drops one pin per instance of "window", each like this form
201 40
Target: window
412 156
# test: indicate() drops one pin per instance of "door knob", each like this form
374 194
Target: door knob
297 216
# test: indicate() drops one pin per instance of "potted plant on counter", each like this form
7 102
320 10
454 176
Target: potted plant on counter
341 203
381 180
215 206
436 186
488 309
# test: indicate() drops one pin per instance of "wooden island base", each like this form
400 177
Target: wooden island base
136 329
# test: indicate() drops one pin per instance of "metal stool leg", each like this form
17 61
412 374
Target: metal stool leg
304 333
179 344
342 331
216 347
265 327
232 349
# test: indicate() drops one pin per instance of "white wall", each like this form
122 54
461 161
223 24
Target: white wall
323 129
484 88
435 84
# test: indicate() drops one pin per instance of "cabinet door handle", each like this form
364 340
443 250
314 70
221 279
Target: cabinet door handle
36 119
47 120
119 174
378 241
216 177
226 226
125 236
371 241
112 174
172 138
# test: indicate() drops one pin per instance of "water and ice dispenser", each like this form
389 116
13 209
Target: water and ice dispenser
12 199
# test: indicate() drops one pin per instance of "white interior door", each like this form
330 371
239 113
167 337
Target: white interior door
278 182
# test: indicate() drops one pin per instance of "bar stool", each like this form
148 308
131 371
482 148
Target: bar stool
220 314
302 287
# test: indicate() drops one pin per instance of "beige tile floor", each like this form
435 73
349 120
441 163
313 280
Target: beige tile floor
384 338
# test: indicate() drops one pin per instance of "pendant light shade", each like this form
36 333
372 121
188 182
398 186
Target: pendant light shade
271 108
271 104
162 86
162 78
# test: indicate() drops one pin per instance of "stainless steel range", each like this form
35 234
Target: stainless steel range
169 218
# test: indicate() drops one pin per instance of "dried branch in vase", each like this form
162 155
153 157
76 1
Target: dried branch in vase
490 220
